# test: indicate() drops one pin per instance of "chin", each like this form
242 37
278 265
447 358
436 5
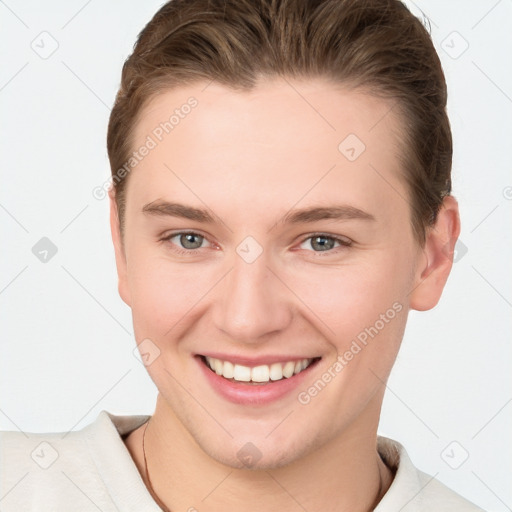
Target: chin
260 453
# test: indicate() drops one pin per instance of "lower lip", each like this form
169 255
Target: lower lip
253 394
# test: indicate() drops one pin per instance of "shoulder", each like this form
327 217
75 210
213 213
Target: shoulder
413 490
438 496
51 471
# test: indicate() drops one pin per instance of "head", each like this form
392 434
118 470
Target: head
281 191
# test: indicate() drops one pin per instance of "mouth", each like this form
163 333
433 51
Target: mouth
255 383
258 375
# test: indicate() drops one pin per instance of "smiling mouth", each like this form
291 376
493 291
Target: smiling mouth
262 374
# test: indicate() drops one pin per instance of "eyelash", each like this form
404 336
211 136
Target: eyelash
344 243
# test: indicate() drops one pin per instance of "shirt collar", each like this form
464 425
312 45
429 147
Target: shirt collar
115 464
404 494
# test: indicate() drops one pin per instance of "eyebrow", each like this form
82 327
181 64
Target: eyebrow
178 210
305 215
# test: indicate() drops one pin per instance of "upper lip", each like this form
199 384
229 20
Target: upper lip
256 361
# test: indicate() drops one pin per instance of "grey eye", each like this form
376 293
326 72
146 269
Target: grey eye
322 243
191 240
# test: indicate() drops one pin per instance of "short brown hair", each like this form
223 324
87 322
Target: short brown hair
375 45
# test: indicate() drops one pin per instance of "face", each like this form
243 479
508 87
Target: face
270 263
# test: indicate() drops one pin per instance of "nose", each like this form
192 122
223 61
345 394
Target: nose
252 302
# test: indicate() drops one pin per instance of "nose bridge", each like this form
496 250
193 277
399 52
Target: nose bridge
253 301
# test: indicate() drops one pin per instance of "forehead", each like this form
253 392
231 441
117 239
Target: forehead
283 138
298 111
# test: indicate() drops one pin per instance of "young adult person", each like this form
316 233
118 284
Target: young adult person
281 200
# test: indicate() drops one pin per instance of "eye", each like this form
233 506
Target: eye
187 241
321 242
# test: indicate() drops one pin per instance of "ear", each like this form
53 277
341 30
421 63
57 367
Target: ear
121 263
437 258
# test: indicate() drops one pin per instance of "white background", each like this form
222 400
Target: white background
67 338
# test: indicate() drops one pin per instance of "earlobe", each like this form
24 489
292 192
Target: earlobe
120 255
437 257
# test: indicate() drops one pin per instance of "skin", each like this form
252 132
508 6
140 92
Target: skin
250 158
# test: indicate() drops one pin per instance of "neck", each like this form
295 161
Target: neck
345 474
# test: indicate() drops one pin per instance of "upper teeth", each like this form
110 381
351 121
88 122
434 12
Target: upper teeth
263 373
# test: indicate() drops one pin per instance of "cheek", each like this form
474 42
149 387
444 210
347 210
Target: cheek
349 298
164 293
365 309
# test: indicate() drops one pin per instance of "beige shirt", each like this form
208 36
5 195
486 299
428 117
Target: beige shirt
91 469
